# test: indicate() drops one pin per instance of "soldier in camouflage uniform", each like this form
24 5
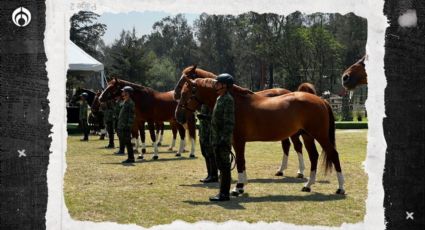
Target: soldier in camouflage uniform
83 116
125 121
109 120
223 121
206 147
116 110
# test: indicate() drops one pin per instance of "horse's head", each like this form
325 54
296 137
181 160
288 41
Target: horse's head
193 94
191 72
111 91
95 106
355 75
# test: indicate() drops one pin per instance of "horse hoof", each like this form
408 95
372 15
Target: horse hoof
192 156
340 191
306 189
237 193
140 157
155 158
279 173
159 144
170 149
300 175
143 150
178 155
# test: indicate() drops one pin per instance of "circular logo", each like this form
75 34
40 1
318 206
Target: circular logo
21 17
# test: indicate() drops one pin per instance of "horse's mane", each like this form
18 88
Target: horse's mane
135 86
208 82
200 72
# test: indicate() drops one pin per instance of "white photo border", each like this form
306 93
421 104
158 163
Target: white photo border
57 34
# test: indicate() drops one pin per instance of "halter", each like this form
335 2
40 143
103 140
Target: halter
192 97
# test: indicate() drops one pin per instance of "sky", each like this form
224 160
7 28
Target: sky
142 21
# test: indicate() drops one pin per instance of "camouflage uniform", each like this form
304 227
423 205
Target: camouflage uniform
125 121
205 142
109 120
223 121
83 119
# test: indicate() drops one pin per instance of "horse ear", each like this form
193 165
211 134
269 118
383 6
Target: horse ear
194 67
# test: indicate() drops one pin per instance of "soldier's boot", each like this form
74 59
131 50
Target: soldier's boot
212 172
225 180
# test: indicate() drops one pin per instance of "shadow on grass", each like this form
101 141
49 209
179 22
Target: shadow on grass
289 180
146 161
236 202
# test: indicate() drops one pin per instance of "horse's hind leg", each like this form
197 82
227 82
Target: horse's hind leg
298 146
314 156
182 133
333 156
151 126
159 127
143 139
239 147
284 165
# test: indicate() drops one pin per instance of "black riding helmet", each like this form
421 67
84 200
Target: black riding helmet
225 78
84 95
127 89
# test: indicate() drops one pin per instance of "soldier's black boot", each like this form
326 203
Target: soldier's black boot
225 179
207 164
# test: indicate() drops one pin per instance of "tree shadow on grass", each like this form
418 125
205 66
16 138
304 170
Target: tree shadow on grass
237 202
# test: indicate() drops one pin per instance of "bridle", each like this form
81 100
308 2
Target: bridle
192 97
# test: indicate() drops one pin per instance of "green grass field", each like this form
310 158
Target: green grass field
99 188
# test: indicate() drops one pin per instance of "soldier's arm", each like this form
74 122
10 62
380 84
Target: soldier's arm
228 120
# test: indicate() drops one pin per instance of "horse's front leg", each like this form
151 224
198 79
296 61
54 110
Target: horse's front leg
135 137
151 126
143 139
239 147
174 131
192 134
182 133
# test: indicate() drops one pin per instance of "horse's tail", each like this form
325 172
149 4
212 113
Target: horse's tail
307 87
328 154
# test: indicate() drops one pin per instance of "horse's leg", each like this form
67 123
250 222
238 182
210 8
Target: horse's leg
160 132
332 157
192 135
151 126
285 147
182 133
134 137
314 156
298 146
174 131
143 139
239 147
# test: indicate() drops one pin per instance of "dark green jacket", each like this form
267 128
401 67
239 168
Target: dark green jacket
108 112
205 125
223 120
83 110
126 116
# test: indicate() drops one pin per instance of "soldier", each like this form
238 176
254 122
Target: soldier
109 121
83 116
206 147
223 120
116 110
125 121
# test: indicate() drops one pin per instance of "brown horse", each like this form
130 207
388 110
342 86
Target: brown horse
152 107
260 118
193 72
355 75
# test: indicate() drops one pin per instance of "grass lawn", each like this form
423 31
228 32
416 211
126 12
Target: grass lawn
99 188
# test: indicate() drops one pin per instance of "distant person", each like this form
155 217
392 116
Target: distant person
125 122
222 123
83 116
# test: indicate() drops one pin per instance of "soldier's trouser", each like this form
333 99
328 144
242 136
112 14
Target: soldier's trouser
124 136
85 128
208 153
110 130
222 156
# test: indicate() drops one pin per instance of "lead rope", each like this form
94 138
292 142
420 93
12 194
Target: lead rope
232 161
